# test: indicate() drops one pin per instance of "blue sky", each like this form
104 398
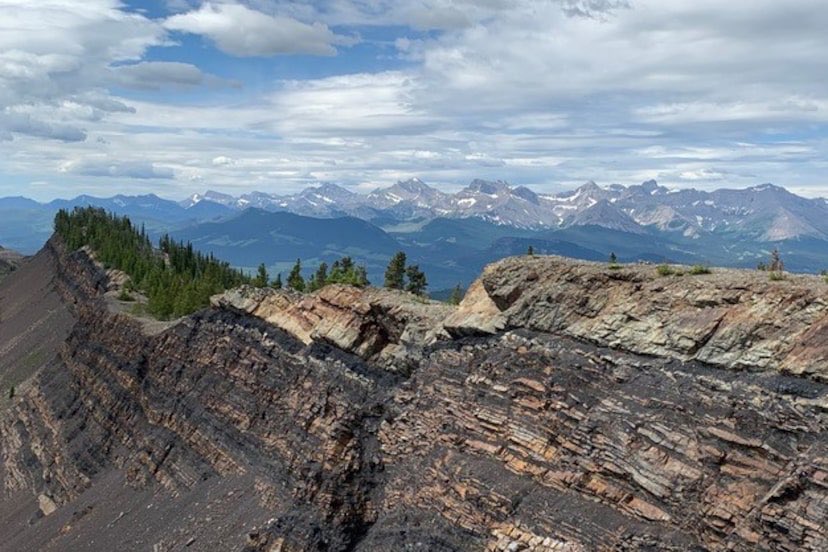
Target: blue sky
179 96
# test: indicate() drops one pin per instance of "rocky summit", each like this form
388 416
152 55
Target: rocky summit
563 406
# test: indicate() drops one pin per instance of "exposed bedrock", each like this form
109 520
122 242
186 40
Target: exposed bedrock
736 319
350 420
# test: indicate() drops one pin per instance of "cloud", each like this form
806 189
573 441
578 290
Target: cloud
546 93
55 59
152 75
126 169
241 31
221 160
23 123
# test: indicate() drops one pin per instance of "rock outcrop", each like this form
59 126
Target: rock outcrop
9 261
351 420
385 326
736 319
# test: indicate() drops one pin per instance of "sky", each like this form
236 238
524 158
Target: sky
180 96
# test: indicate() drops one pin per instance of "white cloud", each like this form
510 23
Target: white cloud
548 93
55 59
241 31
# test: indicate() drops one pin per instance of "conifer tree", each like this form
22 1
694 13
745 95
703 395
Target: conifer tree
416 280
320 278
277 283
530 251
395 273
456 295
361 277
262 277
295 280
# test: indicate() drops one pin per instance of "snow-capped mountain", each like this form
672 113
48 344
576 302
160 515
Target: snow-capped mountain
762 213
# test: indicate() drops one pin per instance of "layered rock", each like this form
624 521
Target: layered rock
347 420
381 325
736 319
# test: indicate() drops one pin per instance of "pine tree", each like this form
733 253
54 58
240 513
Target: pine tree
416 280
361 279
530 251
456 295
320 278
295 280
395 273
613 259
262 277
277 283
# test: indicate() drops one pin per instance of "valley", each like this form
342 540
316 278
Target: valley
453 236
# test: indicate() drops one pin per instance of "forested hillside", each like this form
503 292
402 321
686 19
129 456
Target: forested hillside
176 279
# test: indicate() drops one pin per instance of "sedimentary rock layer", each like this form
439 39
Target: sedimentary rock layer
348 420
736 319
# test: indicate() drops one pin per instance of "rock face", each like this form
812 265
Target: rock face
349 420
375 324
731 318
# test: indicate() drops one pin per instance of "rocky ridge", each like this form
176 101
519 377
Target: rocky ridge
736 319
368 420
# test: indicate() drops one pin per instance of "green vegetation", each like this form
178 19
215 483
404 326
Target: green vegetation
775 267
397 273
417 282
175 279
613 262
456 295
125 295
277 283
665 270
343 271
262 278
695 270
530 251
295 280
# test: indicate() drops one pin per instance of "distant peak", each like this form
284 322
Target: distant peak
525 193
649 185
767 187
414 185
487 186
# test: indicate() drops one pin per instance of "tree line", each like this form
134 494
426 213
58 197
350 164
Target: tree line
398 275
176 279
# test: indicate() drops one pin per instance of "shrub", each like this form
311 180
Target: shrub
124 295
699 269
665 270
776 276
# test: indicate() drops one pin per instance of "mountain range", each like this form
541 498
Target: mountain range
453 235
766 212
